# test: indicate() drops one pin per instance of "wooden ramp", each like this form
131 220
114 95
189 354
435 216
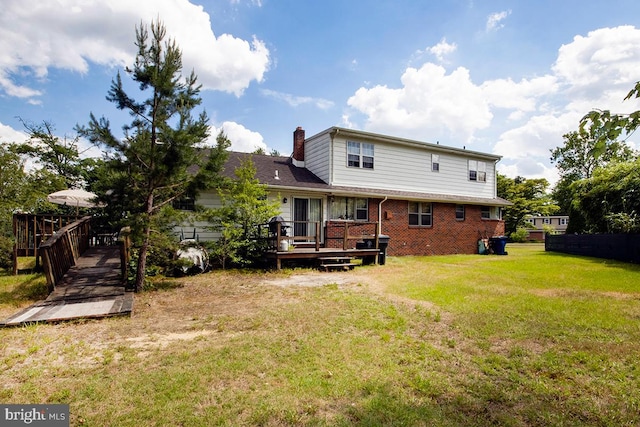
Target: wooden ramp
91 289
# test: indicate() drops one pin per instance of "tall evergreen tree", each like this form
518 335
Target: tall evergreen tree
150 165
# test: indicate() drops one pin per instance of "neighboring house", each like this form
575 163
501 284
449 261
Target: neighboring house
538 225
428 198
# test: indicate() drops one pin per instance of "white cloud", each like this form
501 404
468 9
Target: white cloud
601 67
10 135
536 137
36 36
529 115
442 49
494 21
430 103
242 139
522 96
296 101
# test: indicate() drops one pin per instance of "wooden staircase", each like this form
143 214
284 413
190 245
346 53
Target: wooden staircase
333 263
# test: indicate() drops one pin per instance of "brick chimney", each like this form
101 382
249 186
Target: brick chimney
298 147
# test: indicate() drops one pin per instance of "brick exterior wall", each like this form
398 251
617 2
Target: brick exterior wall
446 235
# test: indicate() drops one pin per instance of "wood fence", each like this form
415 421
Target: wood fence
621 247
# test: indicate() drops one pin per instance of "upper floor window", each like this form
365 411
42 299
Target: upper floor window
564 221
435 162
477 171
359 155
460 212
420 214
185 204
546 221
350 208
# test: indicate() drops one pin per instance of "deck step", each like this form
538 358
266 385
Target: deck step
336 266
336 258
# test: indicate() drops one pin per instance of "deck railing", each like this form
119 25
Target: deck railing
61 251
354 231
283 231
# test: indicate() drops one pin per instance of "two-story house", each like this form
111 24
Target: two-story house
539 225
428 198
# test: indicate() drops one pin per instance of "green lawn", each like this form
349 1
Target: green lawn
527 339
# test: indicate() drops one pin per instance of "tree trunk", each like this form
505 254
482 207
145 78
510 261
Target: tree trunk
142 256
142 261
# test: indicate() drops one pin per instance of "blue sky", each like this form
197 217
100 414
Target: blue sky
504 77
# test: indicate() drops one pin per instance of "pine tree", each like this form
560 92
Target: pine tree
150 165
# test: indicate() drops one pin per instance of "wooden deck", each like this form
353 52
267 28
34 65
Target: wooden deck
313 254
93 288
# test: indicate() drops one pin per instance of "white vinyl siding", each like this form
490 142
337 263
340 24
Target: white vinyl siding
407 168
317 156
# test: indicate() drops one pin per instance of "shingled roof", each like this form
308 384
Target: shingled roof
270 167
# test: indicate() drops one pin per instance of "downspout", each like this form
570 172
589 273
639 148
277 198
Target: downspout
380 215
331 159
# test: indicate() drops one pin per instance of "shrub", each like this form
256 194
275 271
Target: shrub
6 252
520 235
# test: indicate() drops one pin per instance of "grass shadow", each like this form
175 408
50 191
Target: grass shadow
16 290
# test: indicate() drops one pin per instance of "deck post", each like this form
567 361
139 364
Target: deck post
278 237
317 236
346 234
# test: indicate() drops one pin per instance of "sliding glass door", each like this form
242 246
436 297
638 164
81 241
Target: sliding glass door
306 212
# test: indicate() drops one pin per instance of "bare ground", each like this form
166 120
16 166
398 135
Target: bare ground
215 304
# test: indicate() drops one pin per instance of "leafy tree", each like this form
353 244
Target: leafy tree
609 201
529 197
579 156
12 185
244 206
602 134
608 126
59 159
150 167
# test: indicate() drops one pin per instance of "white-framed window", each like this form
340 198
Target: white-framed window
460 212
420 214
564 221
546 221
349 208
477 171
490 212
360 155
485 212
435 163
